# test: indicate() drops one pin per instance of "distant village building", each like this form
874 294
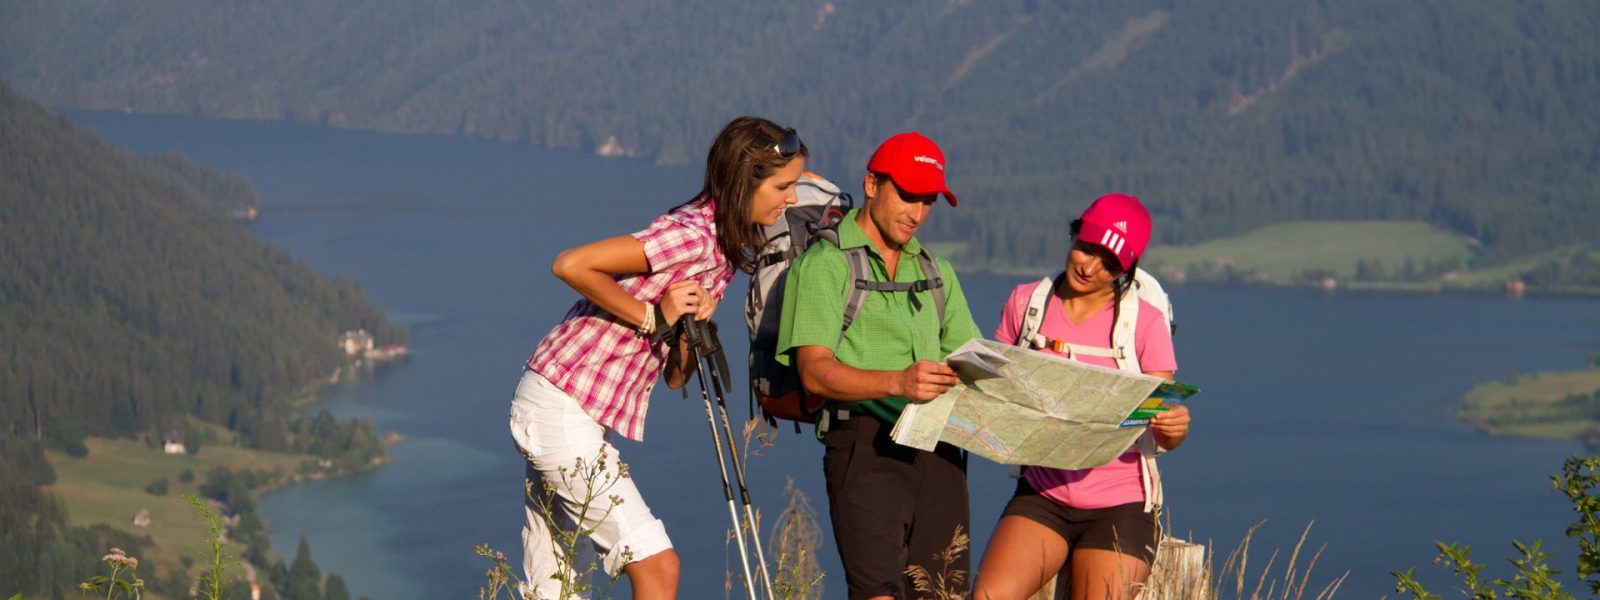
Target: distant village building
611 148
141 518
356 343
245 213
172 443
387 352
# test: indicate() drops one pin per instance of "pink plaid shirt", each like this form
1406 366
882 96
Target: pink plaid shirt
602 361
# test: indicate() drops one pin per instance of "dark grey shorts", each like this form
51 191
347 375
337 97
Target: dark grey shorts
1124 528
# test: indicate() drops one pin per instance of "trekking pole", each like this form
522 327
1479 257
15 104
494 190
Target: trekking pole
692 331
717 364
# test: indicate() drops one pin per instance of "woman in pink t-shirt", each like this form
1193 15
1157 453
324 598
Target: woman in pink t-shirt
1101 522
593 373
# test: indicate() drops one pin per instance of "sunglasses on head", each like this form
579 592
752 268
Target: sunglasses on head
788 146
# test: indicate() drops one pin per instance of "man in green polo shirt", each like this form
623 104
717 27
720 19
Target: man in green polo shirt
891 506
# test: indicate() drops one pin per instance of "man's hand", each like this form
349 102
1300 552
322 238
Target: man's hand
924 380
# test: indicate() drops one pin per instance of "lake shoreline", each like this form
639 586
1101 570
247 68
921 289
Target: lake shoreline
1381 287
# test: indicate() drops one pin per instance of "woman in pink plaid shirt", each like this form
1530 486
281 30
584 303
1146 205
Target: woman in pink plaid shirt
593 373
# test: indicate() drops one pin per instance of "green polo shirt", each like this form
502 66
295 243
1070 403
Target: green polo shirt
893 329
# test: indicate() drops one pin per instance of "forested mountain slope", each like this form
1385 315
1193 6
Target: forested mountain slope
128 301
1474 115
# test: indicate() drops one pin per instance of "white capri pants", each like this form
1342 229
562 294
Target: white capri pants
553 432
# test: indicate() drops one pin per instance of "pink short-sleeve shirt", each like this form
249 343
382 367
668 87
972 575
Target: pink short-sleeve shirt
602 361
1116 482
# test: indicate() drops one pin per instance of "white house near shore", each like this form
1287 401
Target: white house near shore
356 343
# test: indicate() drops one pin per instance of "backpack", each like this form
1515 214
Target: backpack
815 215
1123 350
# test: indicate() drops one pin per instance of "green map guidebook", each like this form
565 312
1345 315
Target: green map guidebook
1166 394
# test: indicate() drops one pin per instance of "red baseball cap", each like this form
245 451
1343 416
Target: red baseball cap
1119 223
914 163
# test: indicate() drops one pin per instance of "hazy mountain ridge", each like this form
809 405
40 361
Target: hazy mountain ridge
1224 115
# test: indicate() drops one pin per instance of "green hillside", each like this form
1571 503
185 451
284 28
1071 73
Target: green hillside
1285 252
131 304
126 304
1475 116
1563 405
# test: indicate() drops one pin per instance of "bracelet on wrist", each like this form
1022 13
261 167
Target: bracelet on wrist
648 325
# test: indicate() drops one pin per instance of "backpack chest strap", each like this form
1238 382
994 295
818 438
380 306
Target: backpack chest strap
1070 350
862 285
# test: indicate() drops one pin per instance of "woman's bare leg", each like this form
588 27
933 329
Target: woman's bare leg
1021 557
655 577
1106 574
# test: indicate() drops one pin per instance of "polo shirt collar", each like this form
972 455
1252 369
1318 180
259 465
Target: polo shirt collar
851 236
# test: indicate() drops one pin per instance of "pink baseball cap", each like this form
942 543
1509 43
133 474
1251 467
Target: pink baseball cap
1119 223
914 163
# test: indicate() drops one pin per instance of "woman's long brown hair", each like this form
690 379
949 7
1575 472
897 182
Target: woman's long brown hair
743 155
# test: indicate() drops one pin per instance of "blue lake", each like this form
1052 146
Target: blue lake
1332 408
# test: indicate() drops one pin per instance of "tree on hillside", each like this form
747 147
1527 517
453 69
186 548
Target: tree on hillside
334 588
305 580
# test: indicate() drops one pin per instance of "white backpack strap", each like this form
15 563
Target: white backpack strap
1028 336
1033 317
1073 350
1149 290
1149 475
1125 349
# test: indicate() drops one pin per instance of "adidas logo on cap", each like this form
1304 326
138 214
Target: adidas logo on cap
1121 226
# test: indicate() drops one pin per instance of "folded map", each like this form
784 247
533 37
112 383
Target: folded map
1023 407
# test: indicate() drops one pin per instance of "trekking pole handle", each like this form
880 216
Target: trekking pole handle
693 333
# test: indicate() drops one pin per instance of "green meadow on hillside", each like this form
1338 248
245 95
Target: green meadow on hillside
1552 405
108 487
1288 252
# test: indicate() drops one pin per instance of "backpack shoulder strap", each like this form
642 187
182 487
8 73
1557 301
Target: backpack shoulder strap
1125 330
930 272
1033 318
860 273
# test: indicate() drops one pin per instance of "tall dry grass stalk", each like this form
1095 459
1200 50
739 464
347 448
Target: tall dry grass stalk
795 536
947 584
1184 571
1287 584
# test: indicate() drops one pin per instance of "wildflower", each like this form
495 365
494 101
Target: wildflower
118 557
499 556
